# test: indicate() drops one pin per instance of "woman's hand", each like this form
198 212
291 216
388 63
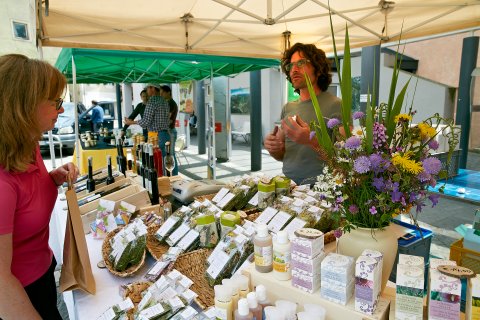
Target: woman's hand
64 173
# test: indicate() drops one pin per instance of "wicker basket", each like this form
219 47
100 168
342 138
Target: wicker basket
107 248
155 247
134 292
193 265
465 257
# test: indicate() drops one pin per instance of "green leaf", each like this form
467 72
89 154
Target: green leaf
346 87
324 139
394 112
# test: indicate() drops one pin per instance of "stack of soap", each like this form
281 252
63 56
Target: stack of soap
337 273
307 255
472 309
445 292
409 289
368 282
434 264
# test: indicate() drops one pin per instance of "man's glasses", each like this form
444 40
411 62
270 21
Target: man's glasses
58 103
300 63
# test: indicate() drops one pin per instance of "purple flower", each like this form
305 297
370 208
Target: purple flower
413 197
434 199
333 123
433 144
339 199
353 209
338 233
312 134
432 182
352 143
378 183
379 137
396 196
373 210
362 164
432 165
419 204
358 115
423 176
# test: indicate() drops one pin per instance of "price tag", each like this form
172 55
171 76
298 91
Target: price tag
294 225
220 194
167 226
456 271
189 238
218 249
222 203
178 234
277 223
218 264
266 215
254 200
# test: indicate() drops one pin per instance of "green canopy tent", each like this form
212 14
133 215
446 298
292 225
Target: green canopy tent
112 66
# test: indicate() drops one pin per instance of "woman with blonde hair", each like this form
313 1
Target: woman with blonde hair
30 102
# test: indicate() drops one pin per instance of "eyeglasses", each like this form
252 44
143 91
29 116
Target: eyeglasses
300 63
58 103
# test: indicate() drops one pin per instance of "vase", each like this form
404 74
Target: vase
354 242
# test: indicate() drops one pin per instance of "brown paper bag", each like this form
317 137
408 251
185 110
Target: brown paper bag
76 268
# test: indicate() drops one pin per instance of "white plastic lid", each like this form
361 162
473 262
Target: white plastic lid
252 300
243 308
223 293
242 281
232 284
282 237
272 313
262 230
288 308
261 292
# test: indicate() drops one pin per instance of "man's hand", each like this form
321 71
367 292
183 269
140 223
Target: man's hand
297 130
128 121
64 173
275 144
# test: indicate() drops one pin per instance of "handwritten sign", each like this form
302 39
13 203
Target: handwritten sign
456 271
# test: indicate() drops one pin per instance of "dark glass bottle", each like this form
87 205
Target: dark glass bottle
153 179
110 178
90 181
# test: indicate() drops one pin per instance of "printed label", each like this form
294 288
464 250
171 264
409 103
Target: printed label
167 226
218 264
266 215
263 256
220 194
281 261
444 310
221 313
409 305
277 222
178 234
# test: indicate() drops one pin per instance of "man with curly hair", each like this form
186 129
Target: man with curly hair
291 143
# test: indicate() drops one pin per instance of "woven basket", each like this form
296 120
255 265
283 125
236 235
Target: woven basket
193 265
155 247
107 248
329 237
134 292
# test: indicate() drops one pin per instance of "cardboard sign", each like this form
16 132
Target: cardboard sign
456 271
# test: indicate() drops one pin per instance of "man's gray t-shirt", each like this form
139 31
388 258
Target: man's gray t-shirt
300 162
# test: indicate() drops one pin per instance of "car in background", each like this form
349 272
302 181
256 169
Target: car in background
64 130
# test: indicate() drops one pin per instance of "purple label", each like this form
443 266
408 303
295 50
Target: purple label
364 293
444 310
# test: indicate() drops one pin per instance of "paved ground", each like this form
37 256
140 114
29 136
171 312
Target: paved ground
443 219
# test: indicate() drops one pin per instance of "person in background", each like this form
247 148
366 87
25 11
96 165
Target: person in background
97 116
291 143
156 117
27 191
139 110
166 93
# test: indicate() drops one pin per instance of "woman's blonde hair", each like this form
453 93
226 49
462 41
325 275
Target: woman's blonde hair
24 84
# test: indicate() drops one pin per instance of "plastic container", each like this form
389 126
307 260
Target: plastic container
465 257
223 302
273 313
243 284
288 308
243 311
253 305
263 247
318 310
261 292
415 244
234 286
282 256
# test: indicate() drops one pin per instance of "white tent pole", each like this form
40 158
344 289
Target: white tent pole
50 135
77 142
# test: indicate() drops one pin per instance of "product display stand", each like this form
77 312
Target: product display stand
278 290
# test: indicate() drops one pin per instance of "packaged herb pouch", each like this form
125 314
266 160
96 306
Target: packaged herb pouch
266 193
105 219
249 190
124 213
228 221
172 223
116 311
206 226
282 186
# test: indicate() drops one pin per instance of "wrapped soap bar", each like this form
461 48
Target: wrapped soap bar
409 260
228 221
117 310
308 283
409 292
367 284
335 293
282 186
337 269
445 292
307 266
307 242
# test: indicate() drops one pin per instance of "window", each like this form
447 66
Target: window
20 30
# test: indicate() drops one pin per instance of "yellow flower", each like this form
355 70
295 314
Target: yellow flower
404 163
426 131
403 117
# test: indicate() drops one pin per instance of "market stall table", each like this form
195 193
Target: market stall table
98 153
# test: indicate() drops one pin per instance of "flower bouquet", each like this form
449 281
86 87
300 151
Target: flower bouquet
382 167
